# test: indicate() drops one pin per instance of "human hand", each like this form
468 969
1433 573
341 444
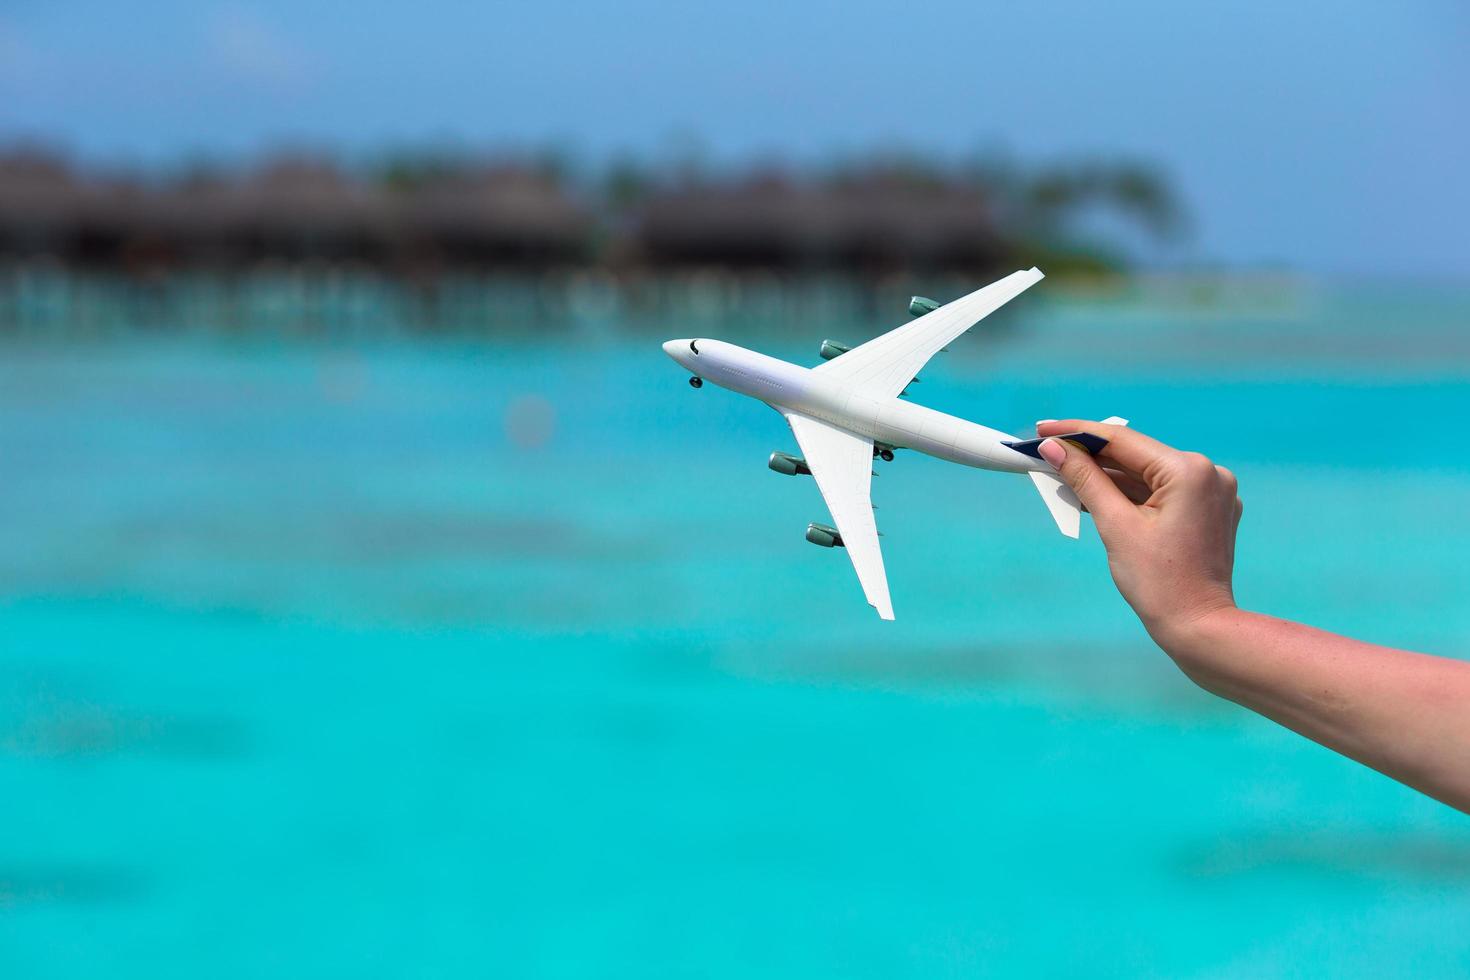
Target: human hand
1167 518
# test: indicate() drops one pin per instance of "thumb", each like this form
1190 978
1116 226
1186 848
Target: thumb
1098 493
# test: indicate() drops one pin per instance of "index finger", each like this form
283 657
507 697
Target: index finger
1129 447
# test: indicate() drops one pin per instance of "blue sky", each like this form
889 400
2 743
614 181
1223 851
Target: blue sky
1329 136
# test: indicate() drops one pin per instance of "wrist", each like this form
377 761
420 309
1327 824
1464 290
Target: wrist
1189 636
1198 644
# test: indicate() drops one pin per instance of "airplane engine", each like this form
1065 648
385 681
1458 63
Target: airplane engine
821 534
831 349
788 464
919 305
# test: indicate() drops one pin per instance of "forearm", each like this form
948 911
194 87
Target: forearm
1405 714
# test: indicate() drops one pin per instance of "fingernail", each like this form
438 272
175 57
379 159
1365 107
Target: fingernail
1041 422
1053 453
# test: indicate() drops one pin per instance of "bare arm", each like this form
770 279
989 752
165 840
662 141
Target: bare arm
1168 520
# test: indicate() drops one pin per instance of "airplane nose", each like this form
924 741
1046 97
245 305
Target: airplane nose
672 347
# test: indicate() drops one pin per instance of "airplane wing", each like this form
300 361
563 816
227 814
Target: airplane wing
884 366
843 466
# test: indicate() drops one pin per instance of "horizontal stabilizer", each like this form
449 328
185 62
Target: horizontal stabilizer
1061 501
1085 441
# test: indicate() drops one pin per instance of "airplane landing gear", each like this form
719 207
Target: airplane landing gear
696 382
886 455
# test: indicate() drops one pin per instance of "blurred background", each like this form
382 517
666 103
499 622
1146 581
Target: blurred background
376 599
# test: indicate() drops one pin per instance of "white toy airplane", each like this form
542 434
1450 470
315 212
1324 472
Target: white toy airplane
847 411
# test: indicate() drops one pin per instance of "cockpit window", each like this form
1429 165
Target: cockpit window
692 347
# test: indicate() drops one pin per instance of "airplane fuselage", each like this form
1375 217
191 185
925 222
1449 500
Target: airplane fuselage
889 421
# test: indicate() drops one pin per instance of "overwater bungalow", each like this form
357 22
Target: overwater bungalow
873 222
291 210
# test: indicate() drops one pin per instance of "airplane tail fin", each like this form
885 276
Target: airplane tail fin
1065 508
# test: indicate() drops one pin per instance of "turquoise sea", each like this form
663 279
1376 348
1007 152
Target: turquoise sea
370 654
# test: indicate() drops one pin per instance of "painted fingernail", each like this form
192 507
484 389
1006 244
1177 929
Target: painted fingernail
1053 453
1041 422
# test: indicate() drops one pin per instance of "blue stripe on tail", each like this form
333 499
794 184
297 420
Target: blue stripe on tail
1085 441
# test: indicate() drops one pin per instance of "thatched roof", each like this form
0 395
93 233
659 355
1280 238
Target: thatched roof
869 220
291 208
485 216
